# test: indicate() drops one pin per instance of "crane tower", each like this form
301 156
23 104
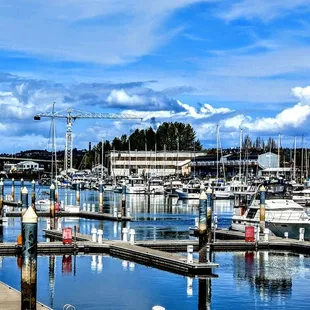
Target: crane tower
71 116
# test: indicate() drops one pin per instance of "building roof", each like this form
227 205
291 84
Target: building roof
26 162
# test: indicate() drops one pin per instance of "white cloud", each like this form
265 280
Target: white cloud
207 108
263 9
204 112
90 32
121 97
302 93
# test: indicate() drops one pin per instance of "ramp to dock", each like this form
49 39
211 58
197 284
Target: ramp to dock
10 298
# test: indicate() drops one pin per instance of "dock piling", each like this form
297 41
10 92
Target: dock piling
124 210
93 207
262 197
209 214
29 260
21 187
100 197
202 226
33 193
1 197
52 206
13 190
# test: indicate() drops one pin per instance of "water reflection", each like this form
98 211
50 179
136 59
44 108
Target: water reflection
269 274
246 279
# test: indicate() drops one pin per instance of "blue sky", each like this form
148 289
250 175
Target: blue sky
214 62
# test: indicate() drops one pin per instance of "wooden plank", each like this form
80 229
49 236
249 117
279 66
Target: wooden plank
10 298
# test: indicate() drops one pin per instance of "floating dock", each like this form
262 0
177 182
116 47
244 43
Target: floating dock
11 298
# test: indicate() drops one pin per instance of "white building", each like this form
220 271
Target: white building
9 168
27 165
124 163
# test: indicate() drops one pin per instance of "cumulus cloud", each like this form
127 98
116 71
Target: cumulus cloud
205 111
121 97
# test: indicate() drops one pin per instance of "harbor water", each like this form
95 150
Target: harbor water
244 280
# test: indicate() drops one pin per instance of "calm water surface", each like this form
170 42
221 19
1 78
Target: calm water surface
243 280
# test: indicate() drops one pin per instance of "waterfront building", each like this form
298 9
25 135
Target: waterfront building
150 163
250 164
27 166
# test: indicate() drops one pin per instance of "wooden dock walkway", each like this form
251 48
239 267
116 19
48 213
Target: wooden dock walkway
139 254
10 298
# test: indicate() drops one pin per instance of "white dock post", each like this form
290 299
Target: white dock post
197 222
132 266
84 206
256 231
88 207
190 250
266 234
119 215
99 265
286 235
59 223
189 287
93 263
115 212
94 234
125 234
100 234
125 264
48 224
128 211
93 208
301 234
132 233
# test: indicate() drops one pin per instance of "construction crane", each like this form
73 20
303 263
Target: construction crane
71 116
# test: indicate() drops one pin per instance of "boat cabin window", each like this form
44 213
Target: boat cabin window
241 200
251 214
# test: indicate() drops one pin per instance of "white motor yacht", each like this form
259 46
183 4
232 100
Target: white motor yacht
191 190
155 186
281 215
135 185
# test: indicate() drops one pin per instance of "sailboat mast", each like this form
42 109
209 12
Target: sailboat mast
240 150
53 142
294 164
279 141
302 159
101 158
306 159
217 152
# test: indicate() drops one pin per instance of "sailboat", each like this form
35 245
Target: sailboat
43 204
